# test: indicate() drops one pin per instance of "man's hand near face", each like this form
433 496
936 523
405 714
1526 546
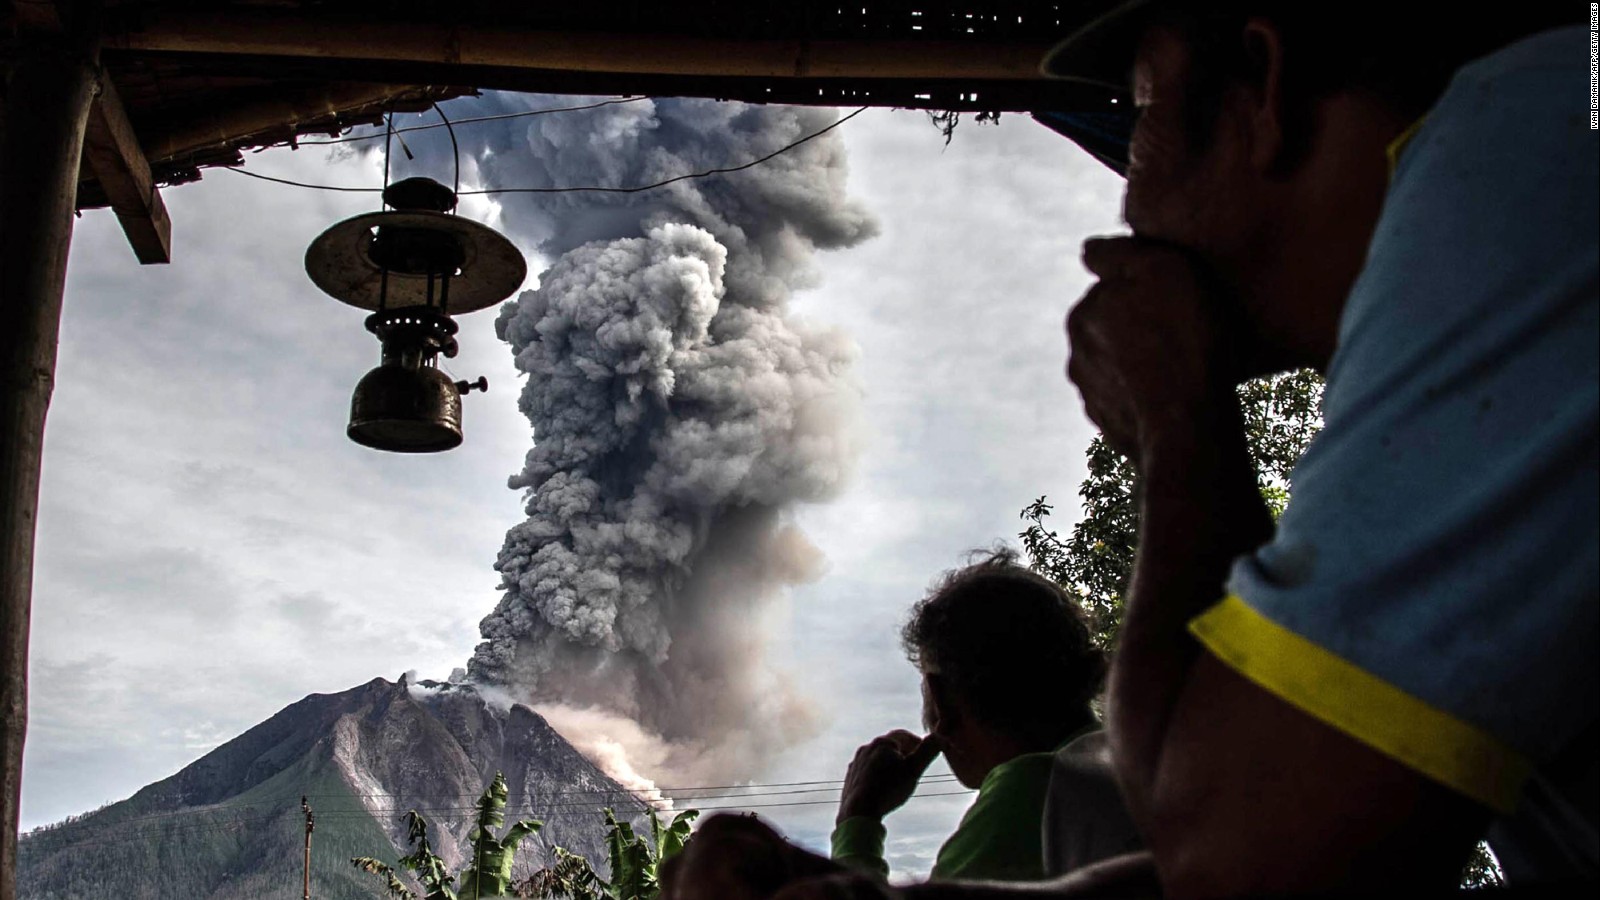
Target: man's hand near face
884 774
1147 346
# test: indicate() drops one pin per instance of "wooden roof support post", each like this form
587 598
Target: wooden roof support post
50 85
112 151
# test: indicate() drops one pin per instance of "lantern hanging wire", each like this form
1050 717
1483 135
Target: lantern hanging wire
455 150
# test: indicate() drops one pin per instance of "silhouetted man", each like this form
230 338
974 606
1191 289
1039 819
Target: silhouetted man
1346 701
1008 671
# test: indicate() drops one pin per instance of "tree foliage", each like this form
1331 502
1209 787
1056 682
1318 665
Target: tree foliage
1281 415
489 874
635 863
570 878
1483 870
422 862
395 888
946 121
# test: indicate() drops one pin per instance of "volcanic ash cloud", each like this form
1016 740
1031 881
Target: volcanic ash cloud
679 411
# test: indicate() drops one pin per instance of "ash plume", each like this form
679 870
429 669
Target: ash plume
680 410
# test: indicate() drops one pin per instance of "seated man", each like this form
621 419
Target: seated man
985 640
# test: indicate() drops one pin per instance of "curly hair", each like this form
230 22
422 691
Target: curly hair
1012 645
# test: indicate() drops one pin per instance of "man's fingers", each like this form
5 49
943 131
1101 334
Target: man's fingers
922 757
904 741
1110 257
1125 255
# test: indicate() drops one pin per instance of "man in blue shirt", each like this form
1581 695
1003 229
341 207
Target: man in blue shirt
1410 654
1345 702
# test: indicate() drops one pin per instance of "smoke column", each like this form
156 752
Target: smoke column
679 411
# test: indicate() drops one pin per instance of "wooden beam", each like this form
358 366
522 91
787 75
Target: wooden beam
37 16
51 87
290 35
112 152
223 126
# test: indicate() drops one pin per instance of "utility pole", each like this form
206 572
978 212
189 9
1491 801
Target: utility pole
311 825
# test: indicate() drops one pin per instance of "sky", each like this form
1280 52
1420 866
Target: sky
212 548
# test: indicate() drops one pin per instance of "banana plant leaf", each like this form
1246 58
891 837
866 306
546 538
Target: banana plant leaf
397 889
489 875
423 861
670 839
571 878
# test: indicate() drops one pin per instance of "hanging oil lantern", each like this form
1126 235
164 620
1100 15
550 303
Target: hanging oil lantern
414 266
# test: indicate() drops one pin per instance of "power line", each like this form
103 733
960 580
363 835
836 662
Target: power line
675 799
83 822
939 776
494 118
319 187
649 187
677 795
154 822
820 802
453 814
51 840
46 842
723 170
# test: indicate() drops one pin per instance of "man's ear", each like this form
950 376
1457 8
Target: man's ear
1264 115
942 712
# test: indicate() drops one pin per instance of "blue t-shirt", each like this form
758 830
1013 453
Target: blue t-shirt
1432 588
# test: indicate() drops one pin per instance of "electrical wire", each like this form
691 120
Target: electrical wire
679 795
938 776
821 802
494 118
675 799
569 190
451 814
455 148
49 841
52 839
388 137
659 184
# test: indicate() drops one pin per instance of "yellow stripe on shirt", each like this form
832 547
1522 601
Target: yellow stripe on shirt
1401 141
1358 703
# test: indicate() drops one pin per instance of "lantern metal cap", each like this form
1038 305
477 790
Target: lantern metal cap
340 262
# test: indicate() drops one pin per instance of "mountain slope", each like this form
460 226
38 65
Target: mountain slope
229 825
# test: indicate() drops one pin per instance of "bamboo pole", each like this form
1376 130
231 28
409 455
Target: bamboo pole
310 37
50 85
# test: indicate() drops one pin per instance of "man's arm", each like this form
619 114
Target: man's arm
1254 796
1235 790
882 776
1199 509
